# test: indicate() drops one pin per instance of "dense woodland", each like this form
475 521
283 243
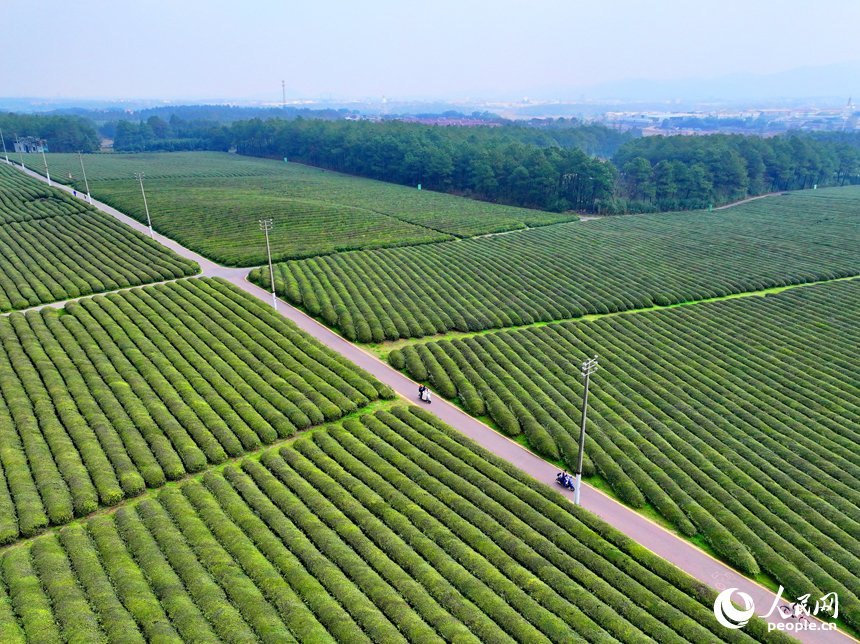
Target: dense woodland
175 135
548 164
683 172
558 168
512 164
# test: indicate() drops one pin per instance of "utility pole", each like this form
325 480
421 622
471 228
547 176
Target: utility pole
83 172
284 95
45 160
20 151
6 154
266 225
140 178
588 368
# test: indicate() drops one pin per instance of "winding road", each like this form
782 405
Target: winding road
649 534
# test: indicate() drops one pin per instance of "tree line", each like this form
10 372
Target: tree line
174 135
62 133
509 164
687 172
550 164
553 167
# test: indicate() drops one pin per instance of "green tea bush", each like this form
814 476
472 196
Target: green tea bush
118 393
568 270
390 527
734 419
55 247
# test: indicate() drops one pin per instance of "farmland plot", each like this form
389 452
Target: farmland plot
387 529
738 420
155 165
569 270
116 394
219 219
54 247
210 202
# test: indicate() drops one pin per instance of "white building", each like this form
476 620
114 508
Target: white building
30 145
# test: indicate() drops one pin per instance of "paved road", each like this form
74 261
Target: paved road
652 536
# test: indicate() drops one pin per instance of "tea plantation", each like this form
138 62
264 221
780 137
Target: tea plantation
146 495
387 529
569 270
210 202
116 394
55 247
66 168
738 420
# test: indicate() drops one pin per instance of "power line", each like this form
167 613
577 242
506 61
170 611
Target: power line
42 144
6 154
20 151
83 172
266 225
140 177
588 368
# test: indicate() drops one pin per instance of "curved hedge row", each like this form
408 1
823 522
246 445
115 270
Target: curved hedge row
22 198
392 528
737 420
119 393
210 202
54 247
568 270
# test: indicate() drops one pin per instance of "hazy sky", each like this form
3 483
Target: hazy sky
233 49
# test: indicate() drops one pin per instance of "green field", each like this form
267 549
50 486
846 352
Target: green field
210 202
156 165
218 218
569 270
55 247
386 530
116 394
738 420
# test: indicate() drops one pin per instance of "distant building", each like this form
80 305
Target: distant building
30 145
450 122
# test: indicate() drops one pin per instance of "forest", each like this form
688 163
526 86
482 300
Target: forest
63 133
559 169
685 172
555 165
513 165
174 135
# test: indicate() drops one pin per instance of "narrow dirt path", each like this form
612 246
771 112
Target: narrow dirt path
738 203
652 536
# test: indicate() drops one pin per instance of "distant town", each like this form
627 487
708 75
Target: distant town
769 121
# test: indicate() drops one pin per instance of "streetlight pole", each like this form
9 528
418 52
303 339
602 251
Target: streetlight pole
20 151
83 172
140 178
45 160
588 368
266 225
6 154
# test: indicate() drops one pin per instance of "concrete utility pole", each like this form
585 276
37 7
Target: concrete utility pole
266 225
83 172
5 154
140 177
20 151
45 160
588 368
